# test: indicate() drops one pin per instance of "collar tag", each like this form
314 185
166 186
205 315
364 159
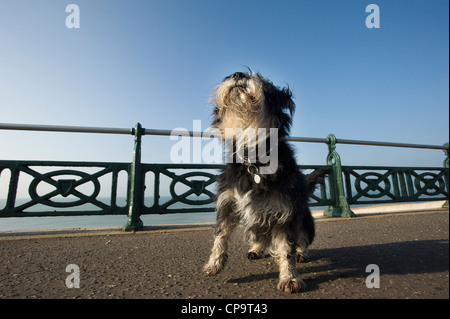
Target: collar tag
256 176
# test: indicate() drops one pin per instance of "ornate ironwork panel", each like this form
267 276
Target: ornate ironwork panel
179 188
191 188
61 188
369 185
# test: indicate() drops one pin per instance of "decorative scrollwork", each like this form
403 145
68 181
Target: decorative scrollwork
398 184
77 187
197 187
64 187
429 184
373 184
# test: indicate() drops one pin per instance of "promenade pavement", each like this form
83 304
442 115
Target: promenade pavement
411 251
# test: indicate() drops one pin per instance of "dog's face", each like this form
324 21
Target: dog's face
249 101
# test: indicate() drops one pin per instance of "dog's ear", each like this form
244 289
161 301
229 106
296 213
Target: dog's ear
286 100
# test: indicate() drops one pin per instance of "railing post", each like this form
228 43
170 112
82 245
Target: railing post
446 165
340 207
135 184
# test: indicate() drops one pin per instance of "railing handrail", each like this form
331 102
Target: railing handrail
62 128
130 131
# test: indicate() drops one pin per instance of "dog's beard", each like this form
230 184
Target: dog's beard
240 104
241 107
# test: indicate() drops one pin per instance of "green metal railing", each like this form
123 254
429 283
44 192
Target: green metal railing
191 186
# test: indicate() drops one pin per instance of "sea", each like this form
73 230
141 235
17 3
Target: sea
88 221
99 221
102 221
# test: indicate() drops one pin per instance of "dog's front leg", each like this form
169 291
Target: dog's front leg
219 254
285 254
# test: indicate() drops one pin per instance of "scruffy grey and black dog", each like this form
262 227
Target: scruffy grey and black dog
272 206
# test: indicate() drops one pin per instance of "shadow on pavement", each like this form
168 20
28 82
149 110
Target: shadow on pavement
325 265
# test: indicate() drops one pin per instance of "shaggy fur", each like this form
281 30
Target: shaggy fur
273 208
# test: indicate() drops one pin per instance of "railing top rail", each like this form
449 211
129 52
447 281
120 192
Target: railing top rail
391 144
111 130
61 128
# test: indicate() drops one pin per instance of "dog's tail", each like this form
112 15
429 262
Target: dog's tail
315 178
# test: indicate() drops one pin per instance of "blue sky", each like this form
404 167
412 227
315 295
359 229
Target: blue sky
157 62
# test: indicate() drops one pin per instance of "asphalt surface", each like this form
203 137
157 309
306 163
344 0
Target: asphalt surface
411 252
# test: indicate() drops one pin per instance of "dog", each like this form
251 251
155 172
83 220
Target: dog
272 207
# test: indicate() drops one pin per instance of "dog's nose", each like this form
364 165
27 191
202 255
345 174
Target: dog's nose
239 76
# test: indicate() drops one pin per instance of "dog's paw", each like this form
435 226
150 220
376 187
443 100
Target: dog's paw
291 285
212 270
214 266
253 255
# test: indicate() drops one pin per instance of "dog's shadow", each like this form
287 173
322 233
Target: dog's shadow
328 265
